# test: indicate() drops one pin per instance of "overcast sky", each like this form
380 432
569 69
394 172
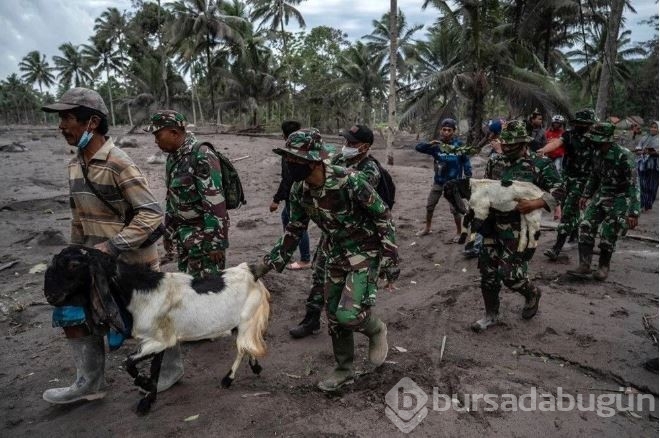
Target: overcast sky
44 25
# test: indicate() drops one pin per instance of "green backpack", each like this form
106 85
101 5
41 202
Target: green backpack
231 183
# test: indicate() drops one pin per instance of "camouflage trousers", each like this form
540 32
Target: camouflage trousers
194 260
608 214
570 211
315 300
350 288
499 262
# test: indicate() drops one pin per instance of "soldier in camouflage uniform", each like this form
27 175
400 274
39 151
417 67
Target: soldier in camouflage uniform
499 260
613 196
578 161
358 231
354 155
196 218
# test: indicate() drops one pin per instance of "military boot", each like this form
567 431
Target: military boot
343 349
89 356
376 331
553 253
603 264
492 304
584 269
311 324
532 297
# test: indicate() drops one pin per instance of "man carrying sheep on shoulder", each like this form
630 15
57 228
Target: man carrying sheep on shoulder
499 259
358 232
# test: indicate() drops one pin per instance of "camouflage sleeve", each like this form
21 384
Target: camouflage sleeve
77 234
281 253
592 184
368 198
208 181
147 212
550 182
633 188
370 173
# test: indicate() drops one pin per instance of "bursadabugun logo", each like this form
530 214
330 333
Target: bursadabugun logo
405 405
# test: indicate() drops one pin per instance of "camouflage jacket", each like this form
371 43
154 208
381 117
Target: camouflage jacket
578 156
195 202
349 212
613 175
531 168
369 171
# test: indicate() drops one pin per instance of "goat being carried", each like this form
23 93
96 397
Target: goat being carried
484 194
166 307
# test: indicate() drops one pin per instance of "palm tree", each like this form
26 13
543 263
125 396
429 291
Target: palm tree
36 70
100 56
379 40
72 67
278 13
363 71
481 62
112 26
203 20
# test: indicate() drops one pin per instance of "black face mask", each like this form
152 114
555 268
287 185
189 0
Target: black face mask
298 171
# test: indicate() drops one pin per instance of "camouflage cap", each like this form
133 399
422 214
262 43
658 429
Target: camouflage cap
166 119
515 132
306 144
77 97
585 115
601 133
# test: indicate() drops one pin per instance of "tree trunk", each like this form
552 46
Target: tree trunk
391 99
112 107
210 75
605 80
192 100
130 116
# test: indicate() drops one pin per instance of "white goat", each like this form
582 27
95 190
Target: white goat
484 194
166 308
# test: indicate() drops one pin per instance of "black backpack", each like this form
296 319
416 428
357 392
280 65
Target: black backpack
231 183
386 188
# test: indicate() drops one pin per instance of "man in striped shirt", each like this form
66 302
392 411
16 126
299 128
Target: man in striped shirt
112 174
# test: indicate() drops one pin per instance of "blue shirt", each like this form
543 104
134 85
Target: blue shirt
447 166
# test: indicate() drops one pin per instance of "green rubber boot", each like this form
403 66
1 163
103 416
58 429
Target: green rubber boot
376 331
343 348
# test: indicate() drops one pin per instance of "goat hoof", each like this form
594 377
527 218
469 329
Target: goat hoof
256 368
142 381
226 382
143 406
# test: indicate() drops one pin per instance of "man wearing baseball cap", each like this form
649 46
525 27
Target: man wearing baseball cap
613 196
358 232
100 169
196 218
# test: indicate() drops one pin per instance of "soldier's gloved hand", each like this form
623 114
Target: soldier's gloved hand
259 270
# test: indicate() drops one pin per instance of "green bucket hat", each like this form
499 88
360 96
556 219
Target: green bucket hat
515 132
306 144
601 133
166 119
586 116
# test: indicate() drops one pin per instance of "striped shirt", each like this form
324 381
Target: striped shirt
122 184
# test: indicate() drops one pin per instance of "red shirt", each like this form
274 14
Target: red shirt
551 134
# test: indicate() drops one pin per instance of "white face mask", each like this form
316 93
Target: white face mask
349 152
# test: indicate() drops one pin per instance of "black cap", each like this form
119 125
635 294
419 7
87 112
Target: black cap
358 134
448 123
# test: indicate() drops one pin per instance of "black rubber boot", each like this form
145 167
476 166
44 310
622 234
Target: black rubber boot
492 304
603 264
311 324
584 269
532 297
553 253
343 349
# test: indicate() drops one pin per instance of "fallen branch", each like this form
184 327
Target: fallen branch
650 329
235 160
8 265
442 349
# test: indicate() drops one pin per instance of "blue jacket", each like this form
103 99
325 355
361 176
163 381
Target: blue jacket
447 167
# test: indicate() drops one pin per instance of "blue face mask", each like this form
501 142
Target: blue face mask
85 138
